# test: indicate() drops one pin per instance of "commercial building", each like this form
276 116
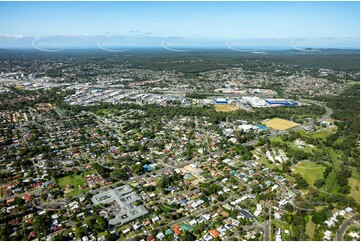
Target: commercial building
124 197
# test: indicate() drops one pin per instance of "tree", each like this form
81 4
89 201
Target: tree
345 189
187 236
319 217
80 231
288 207
319 183
301 182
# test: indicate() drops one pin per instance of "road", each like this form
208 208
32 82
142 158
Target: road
44 205
328 114
329 111
267 224
343 228
233 236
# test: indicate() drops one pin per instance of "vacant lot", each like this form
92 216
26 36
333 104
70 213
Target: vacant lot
310 171
280 124
225 108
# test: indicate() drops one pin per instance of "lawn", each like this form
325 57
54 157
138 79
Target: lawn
102 233
225 108
329 181
109 111
168 208
280 124
267 163
20 87
307 148
334 158
280 224
276 140
321 134
354 183
352 82
310 171
89 172
310 228
74 180
339 140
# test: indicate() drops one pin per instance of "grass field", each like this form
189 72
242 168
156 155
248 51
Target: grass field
307 147
321 134
329 181
310 228
310 171
74 180
276 140
354 183
339 140
225 108
280 224
267 163
280 124
20 87
334 158
352 82
102 233
109 111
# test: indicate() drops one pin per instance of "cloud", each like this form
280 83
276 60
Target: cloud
11 36
140 33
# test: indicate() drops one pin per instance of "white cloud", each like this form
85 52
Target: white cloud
11 36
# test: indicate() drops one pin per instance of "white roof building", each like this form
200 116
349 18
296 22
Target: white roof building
258 210
327 235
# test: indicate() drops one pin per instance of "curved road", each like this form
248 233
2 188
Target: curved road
343 228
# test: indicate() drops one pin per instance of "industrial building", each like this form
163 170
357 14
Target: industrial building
255 102
281 102
123 197
220 101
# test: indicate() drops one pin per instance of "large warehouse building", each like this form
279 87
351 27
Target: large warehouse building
282 102
220 101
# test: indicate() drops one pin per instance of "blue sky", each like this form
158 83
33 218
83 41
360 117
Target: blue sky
333 21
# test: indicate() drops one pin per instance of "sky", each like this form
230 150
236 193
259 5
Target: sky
321 24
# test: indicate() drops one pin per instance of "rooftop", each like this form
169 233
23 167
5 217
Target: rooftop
124 196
